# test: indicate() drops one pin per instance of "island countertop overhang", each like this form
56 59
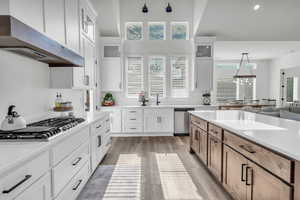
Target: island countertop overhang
277 134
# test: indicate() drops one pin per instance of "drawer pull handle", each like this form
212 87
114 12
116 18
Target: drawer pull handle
247 178
132 111
107 131
132 119
247 148
99 141
77 161
133 128
98 126
27 177
107 120
77 185
242 174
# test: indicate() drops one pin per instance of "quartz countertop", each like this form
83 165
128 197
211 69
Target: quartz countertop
280 135
14 154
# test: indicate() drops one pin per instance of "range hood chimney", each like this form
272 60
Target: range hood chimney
20 38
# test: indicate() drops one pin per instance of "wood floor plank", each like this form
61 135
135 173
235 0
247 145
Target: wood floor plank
154 168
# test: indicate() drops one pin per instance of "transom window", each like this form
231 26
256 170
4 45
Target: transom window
134 30
135 77
179 30
157 76
179 77
157 31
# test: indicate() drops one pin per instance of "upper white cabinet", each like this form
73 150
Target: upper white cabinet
159 120
111 65
55 20
87 19
204 64
29 12
72 25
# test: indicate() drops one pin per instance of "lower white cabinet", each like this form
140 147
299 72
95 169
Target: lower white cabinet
72 190
40 190
159 120
15 182
115 119
132 120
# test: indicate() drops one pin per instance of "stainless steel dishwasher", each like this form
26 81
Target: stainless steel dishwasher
181 124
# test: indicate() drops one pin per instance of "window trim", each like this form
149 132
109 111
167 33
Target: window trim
165 76
126 72
180 22
187 77
142 30
157 22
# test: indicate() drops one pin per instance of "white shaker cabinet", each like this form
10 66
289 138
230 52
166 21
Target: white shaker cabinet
55 20
41 190
159 120
72 25
204 74
111 65
29 12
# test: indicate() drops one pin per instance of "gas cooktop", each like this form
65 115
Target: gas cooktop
42 130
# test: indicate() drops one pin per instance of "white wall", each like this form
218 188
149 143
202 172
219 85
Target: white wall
25 83
287 61
262 76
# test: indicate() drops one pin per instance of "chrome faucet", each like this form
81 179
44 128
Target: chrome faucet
157 99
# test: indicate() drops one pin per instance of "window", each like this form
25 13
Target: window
157 76
135 77
157 31
179 30
134 30
229 89
179 76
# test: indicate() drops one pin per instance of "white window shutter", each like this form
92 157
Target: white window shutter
135 77
157 76
179 77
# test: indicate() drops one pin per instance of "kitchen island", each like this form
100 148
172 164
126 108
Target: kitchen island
253 156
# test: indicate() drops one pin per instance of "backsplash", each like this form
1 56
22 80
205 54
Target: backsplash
25 83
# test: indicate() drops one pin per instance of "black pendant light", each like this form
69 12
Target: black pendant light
145 8
169 8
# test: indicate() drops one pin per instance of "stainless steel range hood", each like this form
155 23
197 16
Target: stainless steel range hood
20 38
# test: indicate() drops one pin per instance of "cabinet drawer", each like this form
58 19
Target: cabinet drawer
15 182
276 164
199 122
72 190
133 128
63 172
66 147
215 131
98 126
133 113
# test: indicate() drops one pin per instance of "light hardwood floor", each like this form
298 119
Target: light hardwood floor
152 168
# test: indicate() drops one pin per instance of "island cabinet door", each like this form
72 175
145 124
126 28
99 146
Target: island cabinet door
203 145
261 185
194 139
215 156
234 165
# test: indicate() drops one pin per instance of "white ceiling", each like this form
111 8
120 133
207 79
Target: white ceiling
228 50
108 17
235 20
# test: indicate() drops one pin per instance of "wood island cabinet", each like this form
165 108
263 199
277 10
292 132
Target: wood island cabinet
246 170
214 161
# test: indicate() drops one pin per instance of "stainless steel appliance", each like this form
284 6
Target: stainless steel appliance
181 124
42 130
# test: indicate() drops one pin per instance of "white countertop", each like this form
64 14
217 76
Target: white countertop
13 154
160 106
280 135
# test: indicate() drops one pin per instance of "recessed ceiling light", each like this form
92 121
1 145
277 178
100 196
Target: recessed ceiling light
256 7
